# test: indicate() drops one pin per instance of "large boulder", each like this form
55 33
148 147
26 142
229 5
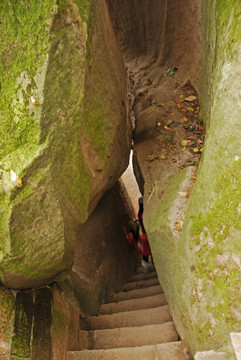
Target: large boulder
65 131
200 266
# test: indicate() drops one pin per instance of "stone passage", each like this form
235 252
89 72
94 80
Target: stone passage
135 324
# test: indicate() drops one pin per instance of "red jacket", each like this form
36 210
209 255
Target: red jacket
146 250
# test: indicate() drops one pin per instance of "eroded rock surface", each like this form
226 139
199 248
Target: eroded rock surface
194 237
65 105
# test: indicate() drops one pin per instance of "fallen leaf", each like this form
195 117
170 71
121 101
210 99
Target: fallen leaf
184 148
183 215
179 105
161 104
185 119
151 157
16 179
166 127
190 98
184 142
171 71
158 124
169 121
196 150
182 194
163 156
190 109
34 101
182 96
178 226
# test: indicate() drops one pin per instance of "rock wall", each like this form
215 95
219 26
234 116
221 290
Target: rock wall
64 113
43 323
198 263
38 323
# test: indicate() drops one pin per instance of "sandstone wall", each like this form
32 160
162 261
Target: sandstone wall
199 267
64 113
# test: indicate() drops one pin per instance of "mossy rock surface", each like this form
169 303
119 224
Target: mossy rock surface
56 141
199 267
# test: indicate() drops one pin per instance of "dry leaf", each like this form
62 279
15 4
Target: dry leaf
151 157
178 226
16 179
190 98
183 215
182 194
34 101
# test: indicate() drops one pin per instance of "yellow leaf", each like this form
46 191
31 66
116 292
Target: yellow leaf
196 150
19 183
158 124
34 101
185 119
182 96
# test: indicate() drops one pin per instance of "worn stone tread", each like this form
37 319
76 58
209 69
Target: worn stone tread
133 304
140 284
128 336
167 351
138 317
144 276
135 294
142 269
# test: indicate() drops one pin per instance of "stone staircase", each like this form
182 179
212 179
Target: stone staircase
134 324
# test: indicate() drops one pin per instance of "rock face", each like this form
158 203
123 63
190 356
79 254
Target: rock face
198 262
64 113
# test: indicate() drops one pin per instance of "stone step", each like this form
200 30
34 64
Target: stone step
128 336
140 317
142 269
140 284
133 304
144 276
135 294
168 351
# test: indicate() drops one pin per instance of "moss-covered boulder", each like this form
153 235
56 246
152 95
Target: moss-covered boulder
65 131
199 262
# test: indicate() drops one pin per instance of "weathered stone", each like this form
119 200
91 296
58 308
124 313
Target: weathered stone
102 256
212 355
41 344
65 105
6 321
21 340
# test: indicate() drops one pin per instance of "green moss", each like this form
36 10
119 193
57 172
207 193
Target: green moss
95 116
228 27
84 8
224 211
23 49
